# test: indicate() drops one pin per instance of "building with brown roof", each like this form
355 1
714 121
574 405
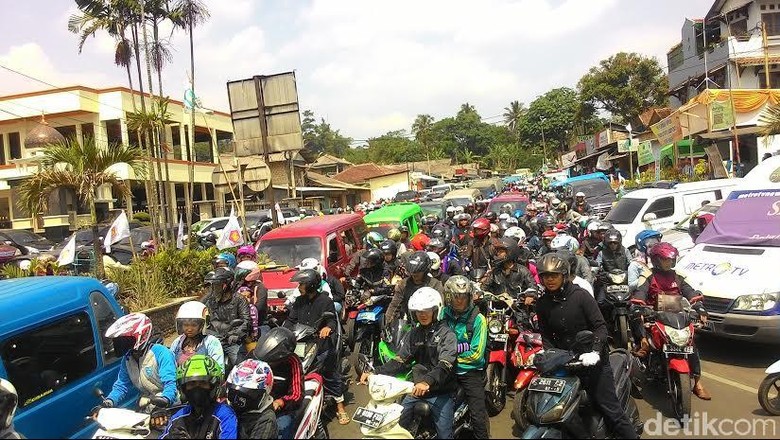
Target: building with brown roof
382 182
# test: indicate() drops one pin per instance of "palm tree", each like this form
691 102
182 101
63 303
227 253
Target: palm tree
421 128
82 167
770 120
186 15
513 115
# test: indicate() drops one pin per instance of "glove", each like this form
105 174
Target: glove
232 339
107 403
463 347
590 359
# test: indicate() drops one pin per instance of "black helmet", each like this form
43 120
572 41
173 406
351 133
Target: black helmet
430 220
309 278
524 255
512 251
222 274
503 225
9 400
613 236
553 263
275 345
371 258
437 245
491 216
388 247
419 262
442 231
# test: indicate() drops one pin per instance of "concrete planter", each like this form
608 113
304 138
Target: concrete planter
164 317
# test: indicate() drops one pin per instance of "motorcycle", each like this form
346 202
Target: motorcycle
770 383
527 346
497 317
360 291
557 406
391 341
616 307
119 423
671 326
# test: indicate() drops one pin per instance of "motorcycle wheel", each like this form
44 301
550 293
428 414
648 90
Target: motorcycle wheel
517 412
770 384
322 431
349 333
621 338
495 397
681 395
364 346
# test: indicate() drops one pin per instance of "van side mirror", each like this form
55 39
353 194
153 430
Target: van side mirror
649 217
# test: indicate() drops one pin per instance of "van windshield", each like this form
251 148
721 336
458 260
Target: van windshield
383 228
460 201
625 211
516 206
593 188
291 251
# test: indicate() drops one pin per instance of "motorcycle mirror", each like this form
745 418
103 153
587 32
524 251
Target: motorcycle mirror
237 323
99 393
280 294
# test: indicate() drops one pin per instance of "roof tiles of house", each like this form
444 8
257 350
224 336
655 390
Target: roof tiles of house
364 172
328 160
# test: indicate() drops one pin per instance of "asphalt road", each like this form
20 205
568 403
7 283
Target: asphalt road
732 373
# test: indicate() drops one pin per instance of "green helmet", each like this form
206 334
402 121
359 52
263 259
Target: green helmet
200 368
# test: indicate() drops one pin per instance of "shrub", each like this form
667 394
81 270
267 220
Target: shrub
142 217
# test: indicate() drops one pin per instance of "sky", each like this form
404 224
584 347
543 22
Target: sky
367 67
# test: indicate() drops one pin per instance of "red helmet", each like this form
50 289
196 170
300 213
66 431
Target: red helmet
549 234
419 242
663 250
704 219
481 227
131 332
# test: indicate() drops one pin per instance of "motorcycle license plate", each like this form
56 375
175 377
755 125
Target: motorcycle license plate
617 289
366 316
678 350
300 349
367 417
501 337
547 385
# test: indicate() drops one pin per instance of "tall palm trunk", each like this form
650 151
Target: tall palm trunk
151 184
96 244
191 148
152 146
170 197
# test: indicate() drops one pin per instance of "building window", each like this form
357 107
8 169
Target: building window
15 145
739 30
2 150
772 22
114 131
43 360
68 131
88 131
774 79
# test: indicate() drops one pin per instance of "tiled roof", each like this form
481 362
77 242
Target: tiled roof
364 172
327 159
325 181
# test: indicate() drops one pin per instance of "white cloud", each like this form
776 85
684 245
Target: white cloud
30 59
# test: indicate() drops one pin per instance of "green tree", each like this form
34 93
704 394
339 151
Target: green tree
82 167
624 85
421 128
394 147
553 114
322 138
513 116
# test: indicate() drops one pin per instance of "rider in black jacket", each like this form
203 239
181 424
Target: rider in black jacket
226 306
565 309
506 275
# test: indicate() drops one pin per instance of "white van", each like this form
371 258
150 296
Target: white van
661 208
735 260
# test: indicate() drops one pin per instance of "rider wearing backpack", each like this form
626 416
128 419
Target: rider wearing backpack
470 328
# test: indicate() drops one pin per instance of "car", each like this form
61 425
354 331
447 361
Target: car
53 350
394 215
406 196
438 207
84 236
22 238
518 202
463 197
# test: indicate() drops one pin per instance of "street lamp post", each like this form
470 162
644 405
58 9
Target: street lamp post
544 143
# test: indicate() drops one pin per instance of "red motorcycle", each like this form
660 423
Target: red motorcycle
527 345
671 331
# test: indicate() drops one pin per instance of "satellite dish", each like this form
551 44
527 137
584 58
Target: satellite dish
256 174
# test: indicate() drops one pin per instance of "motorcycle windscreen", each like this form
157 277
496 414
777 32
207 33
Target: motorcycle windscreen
550 407
676 321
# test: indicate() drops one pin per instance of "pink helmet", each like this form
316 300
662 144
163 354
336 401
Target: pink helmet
663 250
247 251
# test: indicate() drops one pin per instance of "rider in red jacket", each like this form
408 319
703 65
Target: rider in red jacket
665 281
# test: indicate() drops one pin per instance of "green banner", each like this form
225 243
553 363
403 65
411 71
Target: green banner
721 115
645 153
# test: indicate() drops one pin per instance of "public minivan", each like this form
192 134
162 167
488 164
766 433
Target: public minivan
331 239
463 197
395 215
660 209
54 352
734 264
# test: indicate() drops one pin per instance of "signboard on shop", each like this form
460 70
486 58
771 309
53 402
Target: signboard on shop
644 152
668 130
721 115
604 139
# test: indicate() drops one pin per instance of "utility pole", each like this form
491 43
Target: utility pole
264 135
766 55
544 143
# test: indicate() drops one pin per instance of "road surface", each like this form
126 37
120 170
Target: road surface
732 373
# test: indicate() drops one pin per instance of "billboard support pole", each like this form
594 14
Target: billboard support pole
264 136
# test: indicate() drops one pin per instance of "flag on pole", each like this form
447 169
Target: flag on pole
231 235
180 234
68 253
120 229
279 215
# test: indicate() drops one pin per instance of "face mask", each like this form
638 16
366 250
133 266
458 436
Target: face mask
198 397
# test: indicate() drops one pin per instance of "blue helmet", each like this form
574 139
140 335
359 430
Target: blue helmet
226 257
643 237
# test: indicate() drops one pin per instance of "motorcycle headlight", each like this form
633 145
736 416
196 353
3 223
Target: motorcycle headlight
679 338
756 303
495 326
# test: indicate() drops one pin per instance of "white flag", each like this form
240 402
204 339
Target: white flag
231 235
68 253
279 215
120 229
180 234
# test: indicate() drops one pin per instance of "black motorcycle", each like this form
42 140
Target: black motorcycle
616 307
557 406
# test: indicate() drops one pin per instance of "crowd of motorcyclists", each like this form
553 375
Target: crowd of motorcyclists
553 257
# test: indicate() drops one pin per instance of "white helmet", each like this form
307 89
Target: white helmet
247 265
313 264
9 400
192 310
460 209
451 209
565 243
555 201
580 194
512 221
515 232
427 298
435 261
503 216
